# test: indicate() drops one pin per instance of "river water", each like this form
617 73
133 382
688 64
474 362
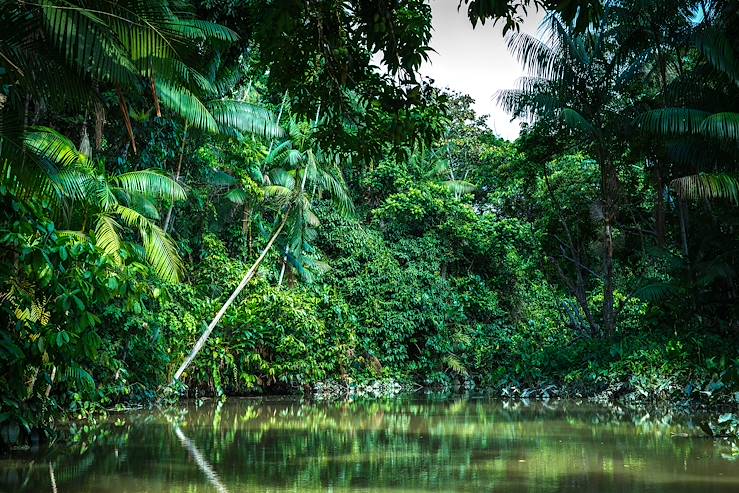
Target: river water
400 445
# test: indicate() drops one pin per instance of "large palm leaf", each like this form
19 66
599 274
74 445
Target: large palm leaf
708 186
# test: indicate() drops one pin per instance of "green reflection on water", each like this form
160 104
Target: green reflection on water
405 445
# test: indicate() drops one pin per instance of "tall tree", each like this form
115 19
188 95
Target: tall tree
582 80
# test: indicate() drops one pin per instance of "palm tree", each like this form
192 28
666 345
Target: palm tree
299 169
294 173
66 53
580 81
699 114
438 168
106 205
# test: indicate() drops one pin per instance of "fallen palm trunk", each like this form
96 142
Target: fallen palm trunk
201 342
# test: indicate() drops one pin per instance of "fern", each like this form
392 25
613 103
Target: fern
454 364
79 377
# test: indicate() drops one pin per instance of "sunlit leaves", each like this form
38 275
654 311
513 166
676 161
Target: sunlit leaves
236 117
188 105
161 253
107 236
150 182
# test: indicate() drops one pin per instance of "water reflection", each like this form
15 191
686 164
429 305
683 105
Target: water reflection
396 445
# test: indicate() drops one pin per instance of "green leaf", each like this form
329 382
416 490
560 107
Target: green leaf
112 283
150 183
707 186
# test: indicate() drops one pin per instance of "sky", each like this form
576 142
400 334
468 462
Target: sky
475 62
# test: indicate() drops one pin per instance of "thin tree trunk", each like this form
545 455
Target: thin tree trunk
48 387
578 288
126 117
287 247
246 221
154 95
284 263
683 210
203 338
167 219
609 319
660 205
609 187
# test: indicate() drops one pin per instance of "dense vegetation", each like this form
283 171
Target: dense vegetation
155 153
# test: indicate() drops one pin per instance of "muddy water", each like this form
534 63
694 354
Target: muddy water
401 445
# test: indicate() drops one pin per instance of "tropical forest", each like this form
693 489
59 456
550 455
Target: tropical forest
250 245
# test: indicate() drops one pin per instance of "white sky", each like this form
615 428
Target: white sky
475 62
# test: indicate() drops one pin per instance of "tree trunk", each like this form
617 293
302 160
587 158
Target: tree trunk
609 318
284 264
683 210
167 220
246 221
609 189
250 273
659 212
126 117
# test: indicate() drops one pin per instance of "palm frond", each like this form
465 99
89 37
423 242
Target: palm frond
671 121
723 126
161 253
79 376
707 186
278 195
655 291
459 187
717 48
49 144
243 117
107 236
237 196
132 217
453 363
87 43
150 183
74 184
576 121
537 57
282 177
332 181
106 199
188 105
196 28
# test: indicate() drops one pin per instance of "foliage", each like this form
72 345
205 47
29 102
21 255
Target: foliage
148 154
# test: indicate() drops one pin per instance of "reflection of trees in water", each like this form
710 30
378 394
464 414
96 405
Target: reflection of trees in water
463 444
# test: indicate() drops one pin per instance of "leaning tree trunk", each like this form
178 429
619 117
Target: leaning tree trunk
250 273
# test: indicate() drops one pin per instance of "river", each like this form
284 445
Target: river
412 444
